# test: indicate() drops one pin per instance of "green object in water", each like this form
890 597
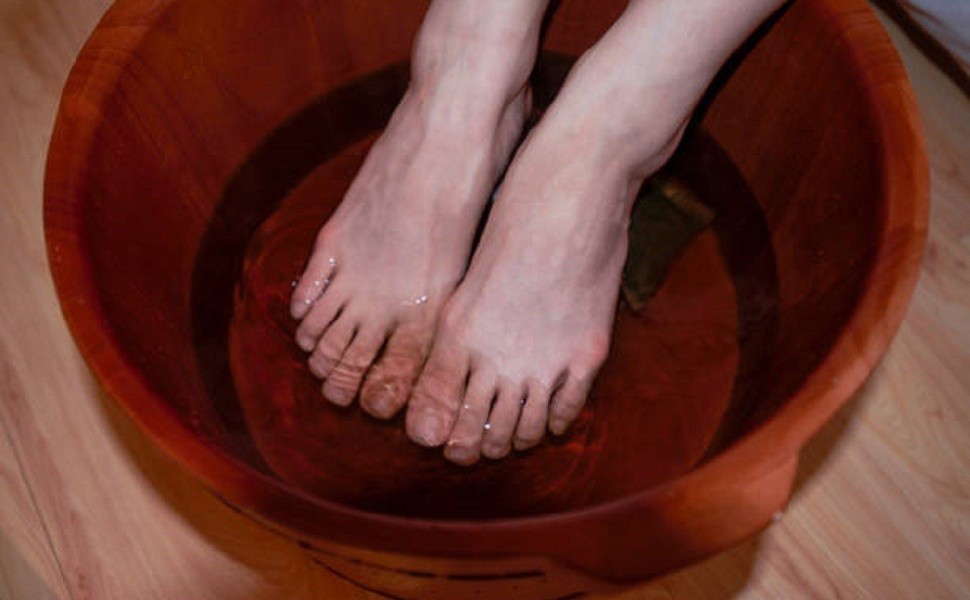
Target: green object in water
666 218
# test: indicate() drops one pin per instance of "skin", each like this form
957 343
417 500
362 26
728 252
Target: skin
421 192
489 358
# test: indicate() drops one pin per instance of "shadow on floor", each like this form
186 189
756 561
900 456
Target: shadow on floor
727 574
231 532
18 578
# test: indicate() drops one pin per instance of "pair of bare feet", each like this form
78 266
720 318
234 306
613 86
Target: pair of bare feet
489 351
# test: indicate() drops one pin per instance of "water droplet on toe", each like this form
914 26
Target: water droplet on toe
487 426
416 301
294 283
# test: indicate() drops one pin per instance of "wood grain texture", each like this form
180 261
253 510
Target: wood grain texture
176 139
28 565
884 516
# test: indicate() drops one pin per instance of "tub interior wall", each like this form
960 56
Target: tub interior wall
152 222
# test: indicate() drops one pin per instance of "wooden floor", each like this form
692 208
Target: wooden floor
89 509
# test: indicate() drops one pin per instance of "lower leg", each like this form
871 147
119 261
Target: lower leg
634 90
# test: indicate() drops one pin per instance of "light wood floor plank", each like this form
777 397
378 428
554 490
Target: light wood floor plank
89 509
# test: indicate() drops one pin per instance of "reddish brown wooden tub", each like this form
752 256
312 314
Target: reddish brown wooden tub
200 143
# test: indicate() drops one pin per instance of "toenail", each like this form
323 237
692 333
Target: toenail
427 429
523 444
495 451
337 396
459 453
380 404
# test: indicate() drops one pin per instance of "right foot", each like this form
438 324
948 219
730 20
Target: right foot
386 261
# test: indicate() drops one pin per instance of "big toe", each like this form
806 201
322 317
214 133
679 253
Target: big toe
389 383
434 403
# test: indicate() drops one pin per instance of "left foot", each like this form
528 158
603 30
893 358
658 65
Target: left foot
397 245
522 338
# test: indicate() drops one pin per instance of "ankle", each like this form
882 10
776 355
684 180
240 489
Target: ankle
486 48
450 115
631 120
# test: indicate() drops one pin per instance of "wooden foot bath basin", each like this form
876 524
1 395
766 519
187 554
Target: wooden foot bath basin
192 164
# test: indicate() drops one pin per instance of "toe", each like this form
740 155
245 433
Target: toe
434 402
330 348
567 402
497 440
321 315
313 282
532 421
465 441
344 380
389 383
